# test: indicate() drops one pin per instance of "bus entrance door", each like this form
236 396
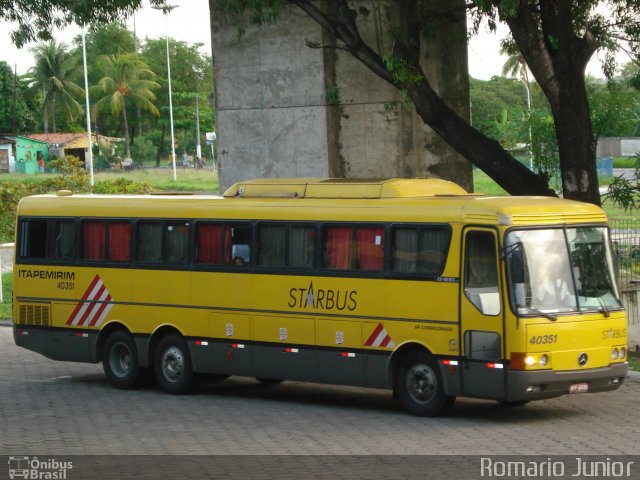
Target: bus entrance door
481 316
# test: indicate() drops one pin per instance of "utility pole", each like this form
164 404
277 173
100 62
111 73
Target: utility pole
15 88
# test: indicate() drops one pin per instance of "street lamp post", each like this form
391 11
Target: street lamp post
86 98
166 10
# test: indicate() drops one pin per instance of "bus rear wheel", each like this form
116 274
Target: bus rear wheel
173 365
419 386
120 360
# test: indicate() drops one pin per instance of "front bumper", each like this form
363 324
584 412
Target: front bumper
534 385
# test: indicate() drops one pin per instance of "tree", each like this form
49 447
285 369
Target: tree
190 72
24 107
557 40
36 20
53 71
126 78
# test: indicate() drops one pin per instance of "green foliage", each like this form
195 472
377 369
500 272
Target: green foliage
332 95
626 193
25 105
7 289
615 108
121 185
254 12
53 72
143 150
401 72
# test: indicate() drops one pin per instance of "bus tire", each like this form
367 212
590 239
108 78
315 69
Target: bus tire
419 386
120 360
173 365
269 381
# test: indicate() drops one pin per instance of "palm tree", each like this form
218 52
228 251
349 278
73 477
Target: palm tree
126 79
52 71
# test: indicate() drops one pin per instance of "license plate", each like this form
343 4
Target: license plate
579 388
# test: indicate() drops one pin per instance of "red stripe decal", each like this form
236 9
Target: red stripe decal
92 305
84 297
373 336
103 305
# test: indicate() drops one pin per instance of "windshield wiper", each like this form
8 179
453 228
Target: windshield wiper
551 317
604 310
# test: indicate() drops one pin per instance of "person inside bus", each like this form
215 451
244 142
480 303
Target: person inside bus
237 260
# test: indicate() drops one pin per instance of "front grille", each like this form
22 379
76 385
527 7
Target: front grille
34 314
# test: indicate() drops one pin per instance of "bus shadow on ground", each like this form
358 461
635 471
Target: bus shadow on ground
353 398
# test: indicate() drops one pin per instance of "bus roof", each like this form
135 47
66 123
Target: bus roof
396 200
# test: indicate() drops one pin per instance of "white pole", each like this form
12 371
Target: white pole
173 147
86 97
165 10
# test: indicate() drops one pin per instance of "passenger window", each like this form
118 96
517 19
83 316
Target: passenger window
149 248
354 248
238 237
176 241
119 241
64 245
92 240
481 272
420 250
271 245
209 243
302 246
33 238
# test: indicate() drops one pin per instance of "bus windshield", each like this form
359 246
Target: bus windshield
560 270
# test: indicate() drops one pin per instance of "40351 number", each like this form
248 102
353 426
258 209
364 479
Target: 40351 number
65 285
543 339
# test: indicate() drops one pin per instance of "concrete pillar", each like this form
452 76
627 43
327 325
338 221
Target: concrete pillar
286 110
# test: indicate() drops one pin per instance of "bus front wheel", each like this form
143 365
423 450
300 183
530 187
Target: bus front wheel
173 365
419 386
120 360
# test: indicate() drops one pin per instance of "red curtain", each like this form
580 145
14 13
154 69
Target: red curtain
208 238
370 243
338 248
93 240
119 238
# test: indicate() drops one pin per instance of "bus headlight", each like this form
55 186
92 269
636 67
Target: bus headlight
614 354
623 353
530 361
544 359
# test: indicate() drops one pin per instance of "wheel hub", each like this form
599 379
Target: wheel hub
172 364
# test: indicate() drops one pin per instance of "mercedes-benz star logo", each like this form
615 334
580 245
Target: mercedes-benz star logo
583 359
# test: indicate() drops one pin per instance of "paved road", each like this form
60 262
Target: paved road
66 408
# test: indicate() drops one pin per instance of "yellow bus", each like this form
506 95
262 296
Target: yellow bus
411 285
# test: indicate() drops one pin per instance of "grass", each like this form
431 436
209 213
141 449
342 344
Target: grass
187 180
5 306
624 162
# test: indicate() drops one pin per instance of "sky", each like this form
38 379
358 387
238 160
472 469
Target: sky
190 22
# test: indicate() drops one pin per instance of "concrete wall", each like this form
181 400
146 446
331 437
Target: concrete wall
287 110
618 147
